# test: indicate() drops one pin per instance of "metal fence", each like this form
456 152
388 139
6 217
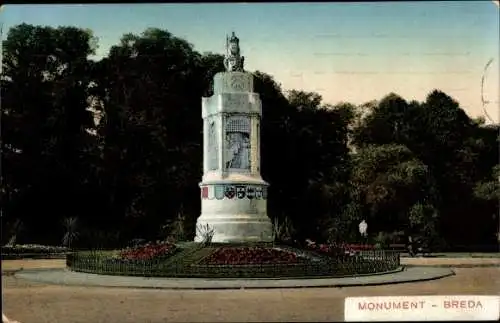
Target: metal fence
366 262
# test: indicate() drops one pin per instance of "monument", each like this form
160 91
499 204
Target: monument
233 193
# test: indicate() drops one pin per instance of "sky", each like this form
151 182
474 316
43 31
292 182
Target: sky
347 52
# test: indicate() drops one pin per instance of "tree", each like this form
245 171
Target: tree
487 192
44 102
390 187
151 88
304 156
456 149
424 167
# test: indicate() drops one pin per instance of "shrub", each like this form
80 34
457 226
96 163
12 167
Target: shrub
32 251
206 232
33 248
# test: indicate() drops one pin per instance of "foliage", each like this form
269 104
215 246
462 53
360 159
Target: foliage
388 181
33 248
456 152
70 226
423 168
489 190
282 230
32 251
175 228
46 148
15 229
206 232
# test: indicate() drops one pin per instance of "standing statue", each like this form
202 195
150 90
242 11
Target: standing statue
363 228
233 61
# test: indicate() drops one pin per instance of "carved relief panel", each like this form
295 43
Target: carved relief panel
238 145
235 102
212 145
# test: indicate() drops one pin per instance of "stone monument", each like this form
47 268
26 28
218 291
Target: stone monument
233 193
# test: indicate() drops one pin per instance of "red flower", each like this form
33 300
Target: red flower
249 256
147 252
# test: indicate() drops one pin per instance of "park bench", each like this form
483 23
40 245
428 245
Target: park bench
400 247
417 249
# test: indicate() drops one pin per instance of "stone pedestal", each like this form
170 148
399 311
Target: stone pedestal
233 193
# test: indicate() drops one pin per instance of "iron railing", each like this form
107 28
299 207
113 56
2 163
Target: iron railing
365 262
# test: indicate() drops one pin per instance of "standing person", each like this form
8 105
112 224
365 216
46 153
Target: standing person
410 246
363 230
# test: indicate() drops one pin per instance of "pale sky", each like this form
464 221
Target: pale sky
354 52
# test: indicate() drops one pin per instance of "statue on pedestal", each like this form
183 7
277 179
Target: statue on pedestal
233 61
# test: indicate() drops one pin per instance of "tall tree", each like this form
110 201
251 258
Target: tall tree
444 138
44 102
394 190
152 86
304 156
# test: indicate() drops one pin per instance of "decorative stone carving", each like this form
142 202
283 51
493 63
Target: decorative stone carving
238 145
213 147
238 83
233 61
233 82
236 102
236 192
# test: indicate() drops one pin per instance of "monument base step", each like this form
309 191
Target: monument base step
258 229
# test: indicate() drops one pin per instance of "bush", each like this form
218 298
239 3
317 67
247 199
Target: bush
33 248
32 251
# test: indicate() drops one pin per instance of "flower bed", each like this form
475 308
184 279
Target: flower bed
33 251
249 256
148 251
229 261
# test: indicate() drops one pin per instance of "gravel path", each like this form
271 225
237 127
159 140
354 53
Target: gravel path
30 302
12 265
70 278
454 262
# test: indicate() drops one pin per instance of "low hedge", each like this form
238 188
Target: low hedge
33 251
